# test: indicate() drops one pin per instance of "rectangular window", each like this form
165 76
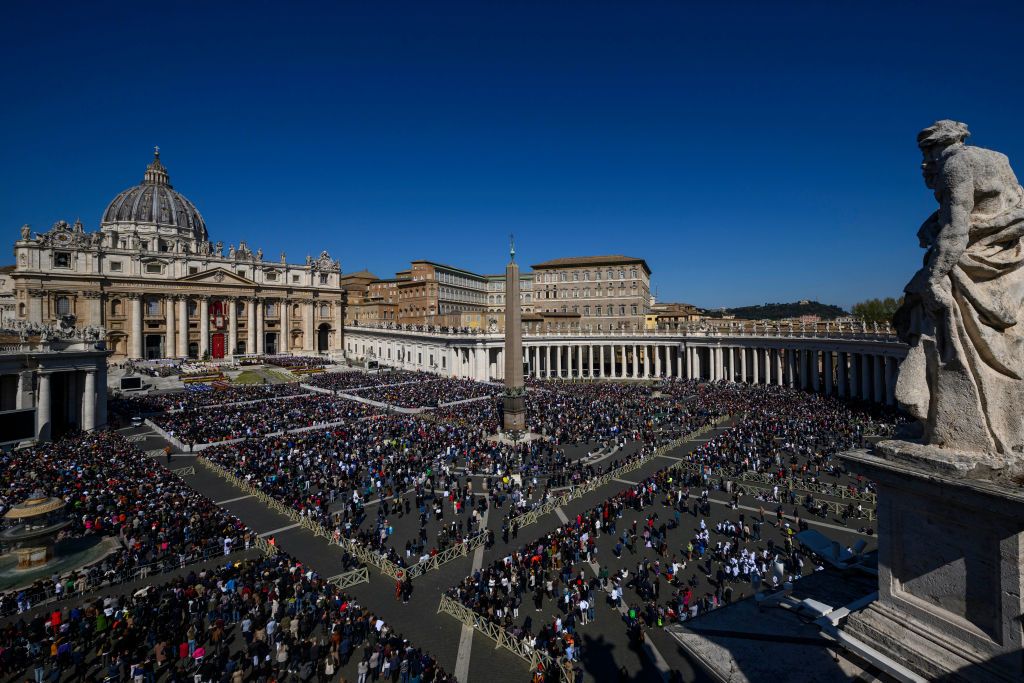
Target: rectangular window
61 259
192 270
295 277
115 266
153 268
271 277
152 307
323 278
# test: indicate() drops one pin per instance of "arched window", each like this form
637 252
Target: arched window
295 310
21 310
633 274
325 310
622 274
63 305
115 307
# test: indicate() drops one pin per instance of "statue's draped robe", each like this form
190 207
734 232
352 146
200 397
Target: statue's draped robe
971 357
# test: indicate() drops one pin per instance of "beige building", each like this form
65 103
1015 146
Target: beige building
151 277
607 292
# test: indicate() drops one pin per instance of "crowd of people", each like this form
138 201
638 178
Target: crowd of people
299 362
429 393
112 490
266 619
202 396
247 420
357 379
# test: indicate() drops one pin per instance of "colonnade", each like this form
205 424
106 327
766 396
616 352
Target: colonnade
864 369
253 332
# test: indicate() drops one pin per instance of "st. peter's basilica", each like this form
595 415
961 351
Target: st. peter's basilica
152 279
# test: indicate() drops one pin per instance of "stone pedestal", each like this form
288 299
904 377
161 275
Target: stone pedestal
950 555
514 409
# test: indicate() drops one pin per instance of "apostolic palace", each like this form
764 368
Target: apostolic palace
153 279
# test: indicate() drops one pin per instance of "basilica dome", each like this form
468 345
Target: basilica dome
155 203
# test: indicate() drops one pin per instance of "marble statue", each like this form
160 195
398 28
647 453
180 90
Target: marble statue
963 313
26 230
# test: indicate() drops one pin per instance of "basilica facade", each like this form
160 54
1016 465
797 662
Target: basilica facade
159 288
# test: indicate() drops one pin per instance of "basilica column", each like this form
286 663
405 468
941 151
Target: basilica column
233 326
754 363
183 327
636 362
89 402
169 346
43 407
204 326
136 339
261 337
688 352
339 326
309 326
779 360
743 365
558 361
250 325
284 341
600 367
579 360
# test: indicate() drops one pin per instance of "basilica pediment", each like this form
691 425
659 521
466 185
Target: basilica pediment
217 276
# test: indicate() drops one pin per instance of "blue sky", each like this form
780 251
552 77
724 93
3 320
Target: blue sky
751 153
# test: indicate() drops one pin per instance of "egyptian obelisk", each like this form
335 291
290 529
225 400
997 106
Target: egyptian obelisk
514 398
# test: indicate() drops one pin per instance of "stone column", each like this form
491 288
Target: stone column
43 407
600 367
204 326
805 373
89 402
136 338
101 394
309 327
829 382
743 365
636 362
547 361
865 377
688 352
841 374
183 327
779 360
232 326
250 324
558 361
755 366
890 381
284 343
169 345
260 307
815 375
698 372
339 328
579 360
854 384
876 362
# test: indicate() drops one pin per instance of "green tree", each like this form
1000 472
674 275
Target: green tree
877 310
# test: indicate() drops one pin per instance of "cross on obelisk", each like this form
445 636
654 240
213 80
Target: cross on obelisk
514 398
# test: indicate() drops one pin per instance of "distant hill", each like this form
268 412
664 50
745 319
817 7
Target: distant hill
779 311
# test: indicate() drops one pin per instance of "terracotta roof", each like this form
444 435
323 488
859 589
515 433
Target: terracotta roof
591 261
361 273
